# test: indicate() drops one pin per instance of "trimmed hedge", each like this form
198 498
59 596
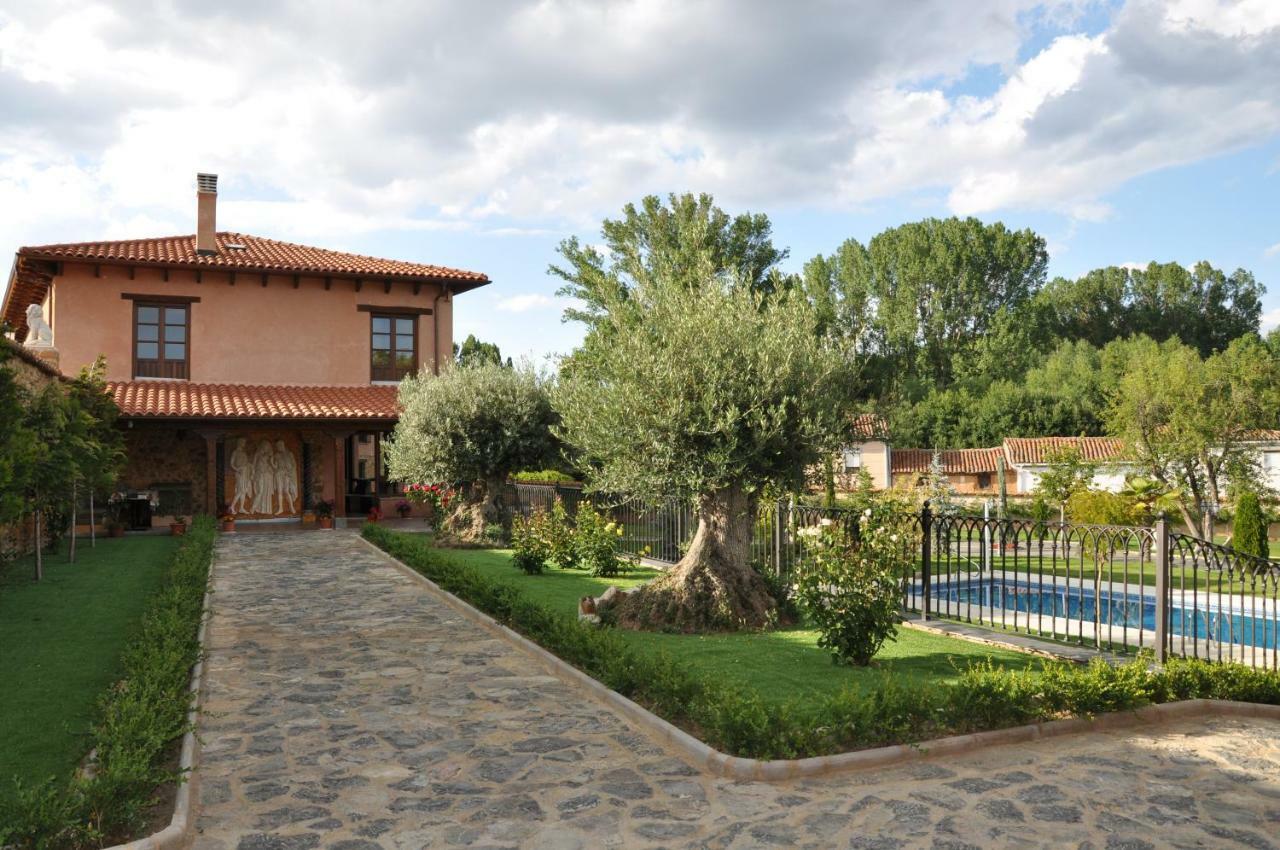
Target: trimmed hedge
736 720
140 718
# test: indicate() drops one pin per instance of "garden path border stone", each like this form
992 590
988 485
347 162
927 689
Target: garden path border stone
716 763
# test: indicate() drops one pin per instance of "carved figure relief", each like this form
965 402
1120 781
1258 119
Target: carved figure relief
264 477
39 334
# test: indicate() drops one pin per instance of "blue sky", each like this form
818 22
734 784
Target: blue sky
479 137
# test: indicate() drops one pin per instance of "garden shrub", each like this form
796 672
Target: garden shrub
1249 531
139 719
530 552
849 586
596 543
557 536
736 720
1099 507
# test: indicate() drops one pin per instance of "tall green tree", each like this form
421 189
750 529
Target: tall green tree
934 289
1190 420
672 242
99 454
691 380
472 428
1203 306
474 352
1249 529
17 445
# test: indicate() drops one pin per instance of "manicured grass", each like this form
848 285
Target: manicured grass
60 645
779 664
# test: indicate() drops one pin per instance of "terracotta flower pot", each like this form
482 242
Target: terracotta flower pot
326 522
228 525
115 531
177 529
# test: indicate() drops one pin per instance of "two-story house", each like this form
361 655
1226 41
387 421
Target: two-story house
249 372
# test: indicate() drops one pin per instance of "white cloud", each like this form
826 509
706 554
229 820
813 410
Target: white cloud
524 303
1271 251
549 113
1270 319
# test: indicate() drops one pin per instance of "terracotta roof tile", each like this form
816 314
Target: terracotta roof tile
241 251
870 426
182 400
1024 450
971 461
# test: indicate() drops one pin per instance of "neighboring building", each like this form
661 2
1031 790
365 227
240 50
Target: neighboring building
251 372
869 451
1022 460
970 471
1028 457
1267 446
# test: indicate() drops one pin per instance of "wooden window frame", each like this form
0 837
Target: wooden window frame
161 304
392 373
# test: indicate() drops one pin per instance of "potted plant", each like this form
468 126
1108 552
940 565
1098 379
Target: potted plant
178 527
324 513
227 519
404 509
375 514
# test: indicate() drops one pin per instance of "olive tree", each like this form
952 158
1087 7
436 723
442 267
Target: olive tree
471 427
694 382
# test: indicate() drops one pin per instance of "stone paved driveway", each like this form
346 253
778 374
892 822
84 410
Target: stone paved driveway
349 708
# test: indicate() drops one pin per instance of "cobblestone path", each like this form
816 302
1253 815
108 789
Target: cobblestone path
349 708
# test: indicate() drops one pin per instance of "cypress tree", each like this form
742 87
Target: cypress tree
1249 532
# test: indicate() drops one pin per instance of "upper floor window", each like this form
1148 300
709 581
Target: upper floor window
161 340
394 346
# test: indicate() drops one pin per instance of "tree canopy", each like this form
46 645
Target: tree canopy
1202 307
932 290
472 427
696 379
474 352
1189 419
676 242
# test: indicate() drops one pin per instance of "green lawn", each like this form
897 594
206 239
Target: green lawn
60 646
779 664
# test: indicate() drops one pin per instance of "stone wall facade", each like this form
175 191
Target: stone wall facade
168 457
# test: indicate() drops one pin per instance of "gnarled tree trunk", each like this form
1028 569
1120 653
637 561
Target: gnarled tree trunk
481 506
713 587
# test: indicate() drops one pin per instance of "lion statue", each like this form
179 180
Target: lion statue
39 334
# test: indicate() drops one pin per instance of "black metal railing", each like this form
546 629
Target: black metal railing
1118 588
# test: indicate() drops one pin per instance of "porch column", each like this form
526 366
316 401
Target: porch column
211 439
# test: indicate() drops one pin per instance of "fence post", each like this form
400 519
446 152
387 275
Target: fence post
926 558
777 538
1163 565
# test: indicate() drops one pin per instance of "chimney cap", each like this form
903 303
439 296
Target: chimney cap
207 183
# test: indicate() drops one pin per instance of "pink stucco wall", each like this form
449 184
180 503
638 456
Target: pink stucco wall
246 333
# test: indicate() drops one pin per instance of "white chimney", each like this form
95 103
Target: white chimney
206 213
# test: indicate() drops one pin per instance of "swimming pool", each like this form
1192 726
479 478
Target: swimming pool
1242 621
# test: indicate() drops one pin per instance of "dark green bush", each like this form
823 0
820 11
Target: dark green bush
1249 530
140 718
736 720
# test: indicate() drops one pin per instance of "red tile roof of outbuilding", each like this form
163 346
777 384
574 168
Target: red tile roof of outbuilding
182 400
1033 450
971 461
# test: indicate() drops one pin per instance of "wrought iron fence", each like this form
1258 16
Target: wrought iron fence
1108 587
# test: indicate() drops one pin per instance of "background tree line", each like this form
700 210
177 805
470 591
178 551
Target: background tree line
966 342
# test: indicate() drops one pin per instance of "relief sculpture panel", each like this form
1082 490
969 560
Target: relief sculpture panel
263 475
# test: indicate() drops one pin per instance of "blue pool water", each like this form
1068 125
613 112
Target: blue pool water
1132 610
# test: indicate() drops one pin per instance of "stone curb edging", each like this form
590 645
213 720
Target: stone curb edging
720 764
183 821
